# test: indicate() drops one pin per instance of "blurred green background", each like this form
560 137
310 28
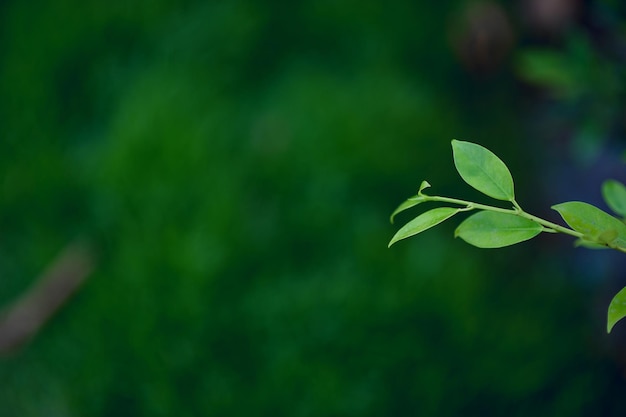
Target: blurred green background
234 164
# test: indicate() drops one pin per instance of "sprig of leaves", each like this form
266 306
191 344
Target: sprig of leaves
495 227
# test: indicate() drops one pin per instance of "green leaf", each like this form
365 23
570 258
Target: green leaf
617 310
424 221
614 193
595 224
483 170
583 243
489 229
411 202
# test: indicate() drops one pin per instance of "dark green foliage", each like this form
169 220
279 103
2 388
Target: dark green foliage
233 164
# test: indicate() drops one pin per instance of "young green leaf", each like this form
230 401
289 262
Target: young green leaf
583 243
489 229
617 309
595 224
411 202
424 221
483 170
614 193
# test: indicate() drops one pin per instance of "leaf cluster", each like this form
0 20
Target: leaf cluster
495 227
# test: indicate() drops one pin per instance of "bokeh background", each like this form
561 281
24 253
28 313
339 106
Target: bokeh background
233 165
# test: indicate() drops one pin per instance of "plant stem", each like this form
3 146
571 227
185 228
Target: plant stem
469 204
550 225
517 211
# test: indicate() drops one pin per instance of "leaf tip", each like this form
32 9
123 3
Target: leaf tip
610 324
617 310
392 241
424 185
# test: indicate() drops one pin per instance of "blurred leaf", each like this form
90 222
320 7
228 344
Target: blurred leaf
488 229
593 223
584 243
423 222
617 309
483 170
614 193
549 69
607 236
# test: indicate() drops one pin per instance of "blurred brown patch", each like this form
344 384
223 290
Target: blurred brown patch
24 318
549 18
482 36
